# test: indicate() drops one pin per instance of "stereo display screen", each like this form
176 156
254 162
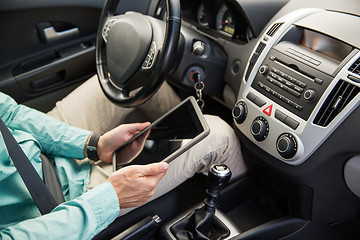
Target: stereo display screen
326 45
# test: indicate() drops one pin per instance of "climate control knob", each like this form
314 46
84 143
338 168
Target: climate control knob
260 129
239 112
286 145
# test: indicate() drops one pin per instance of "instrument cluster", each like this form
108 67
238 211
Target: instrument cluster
224 20
221 17
215 17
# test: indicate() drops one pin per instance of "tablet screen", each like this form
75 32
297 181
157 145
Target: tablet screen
170 135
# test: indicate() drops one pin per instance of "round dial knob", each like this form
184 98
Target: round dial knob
310 95
239 112
260 128
286 145
199 48
263 69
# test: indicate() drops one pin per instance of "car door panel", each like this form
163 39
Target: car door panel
47 46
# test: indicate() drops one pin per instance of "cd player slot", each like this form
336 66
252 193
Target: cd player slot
296 69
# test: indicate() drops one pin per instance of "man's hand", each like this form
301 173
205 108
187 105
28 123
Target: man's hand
113 139
135 184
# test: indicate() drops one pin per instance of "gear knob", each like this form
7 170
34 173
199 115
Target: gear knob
219 175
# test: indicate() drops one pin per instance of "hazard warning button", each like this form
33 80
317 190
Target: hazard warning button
268 110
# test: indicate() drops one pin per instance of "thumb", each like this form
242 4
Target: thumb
154 168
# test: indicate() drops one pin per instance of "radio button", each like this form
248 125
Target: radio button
292 92
280 116
292 79
279 84
301 84
276 94
299 89
291 123
289 84
259 102
272 74
270 79
282 98
298 107
253 98
282 80
275 70
318 81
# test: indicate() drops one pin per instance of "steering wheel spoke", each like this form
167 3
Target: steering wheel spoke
106 28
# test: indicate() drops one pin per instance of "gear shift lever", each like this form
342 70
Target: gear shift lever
202 223
219 175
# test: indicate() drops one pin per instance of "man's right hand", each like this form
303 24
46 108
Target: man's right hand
134 185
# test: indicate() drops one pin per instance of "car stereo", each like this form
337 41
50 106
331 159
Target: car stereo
298 69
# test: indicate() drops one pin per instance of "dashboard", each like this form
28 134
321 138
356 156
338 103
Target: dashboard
294 83
217 18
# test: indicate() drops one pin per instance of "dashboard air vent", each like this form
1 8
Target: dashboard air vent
339 97
355 68
273 29
254 58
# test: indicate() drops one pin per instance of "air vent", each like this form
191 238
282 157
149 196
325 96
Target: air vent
355 68
339 97
260 48
273 29
254 58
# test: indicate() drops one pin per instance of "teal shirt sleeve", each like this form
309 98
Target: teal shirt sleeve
55 137
81 218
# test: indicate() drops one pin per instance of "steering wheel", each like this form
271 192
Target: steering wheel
134 52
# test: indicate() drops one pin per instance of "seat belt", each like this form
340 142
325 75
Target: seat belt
51 179
38 191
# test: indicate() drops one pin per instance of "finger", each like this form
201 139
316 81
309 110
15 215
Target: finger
144 136
154 168
136 127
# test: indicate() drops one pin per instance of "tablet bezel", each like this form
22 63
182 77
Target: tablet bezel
201 119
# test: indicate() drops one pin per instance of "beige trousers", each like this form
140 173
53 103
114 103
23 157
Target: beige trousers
87 107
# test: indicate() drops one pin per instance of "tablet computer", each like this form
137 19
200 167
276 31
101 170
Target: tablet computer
170 135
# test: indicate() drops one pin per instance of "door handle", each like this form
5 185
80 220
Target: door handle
51 34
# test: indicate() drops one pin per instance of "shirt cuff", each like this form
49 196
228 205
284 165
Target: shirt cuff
105 204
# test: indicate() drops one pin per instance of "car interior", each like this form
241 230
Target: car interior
285 74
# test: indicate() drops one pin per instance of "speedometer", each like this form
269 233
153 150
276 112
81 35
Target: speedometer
201 16
225 21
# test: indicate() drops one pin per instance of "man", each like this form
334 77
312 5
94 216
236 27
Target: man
88 212
87 107
84 215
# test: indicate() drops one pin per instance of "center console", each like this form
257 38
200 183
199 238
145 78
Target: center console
301 81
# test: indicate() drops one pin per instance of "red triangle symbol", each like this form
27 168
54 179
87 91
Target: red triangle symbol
268 110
